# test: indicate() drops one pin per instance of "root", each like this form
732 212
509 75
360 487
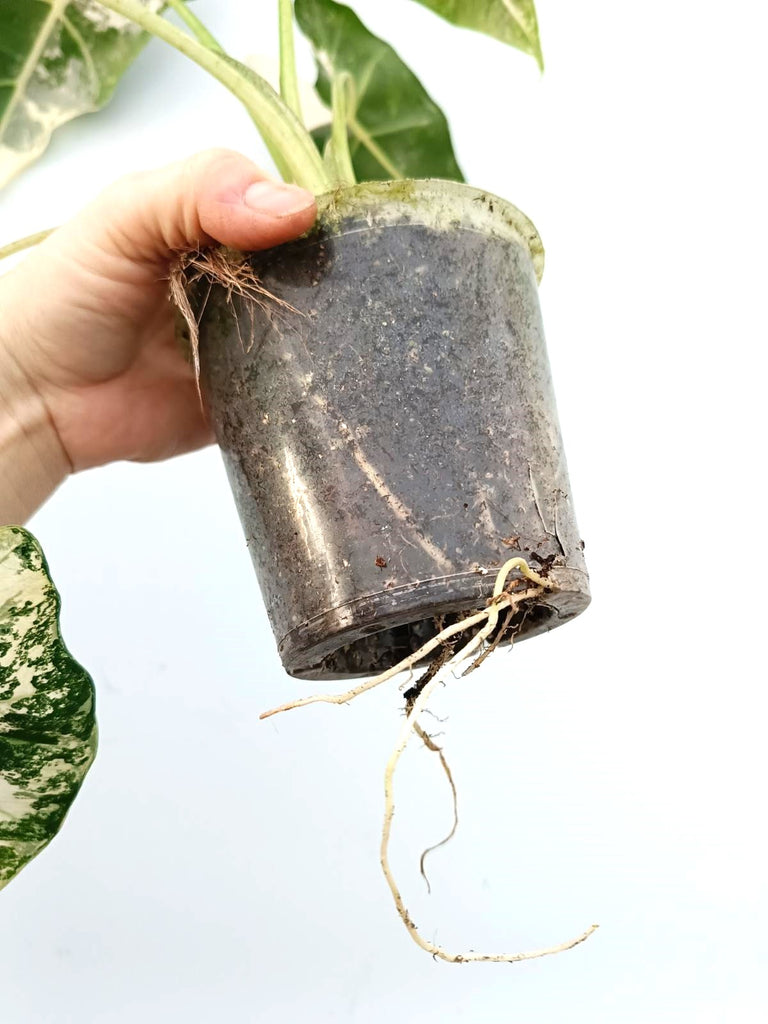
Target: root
417 698
418 706
499 600
435 665
494 643
231 271
402 666
431 745
428 741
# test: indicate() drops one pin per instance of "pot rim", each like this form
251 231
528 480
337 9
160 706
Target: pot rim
431 202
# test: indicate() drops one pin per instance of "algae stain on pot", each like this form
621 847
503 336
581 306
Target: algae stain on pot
408 413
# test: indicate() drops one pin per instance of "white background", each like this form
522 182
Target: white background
219 868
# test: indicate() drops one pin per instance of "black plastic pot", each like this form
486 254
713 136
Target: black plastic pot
393 438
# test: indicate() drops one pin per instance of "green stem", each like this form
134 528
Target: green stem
24 243
374 148
289 83
339 132
193 22
289 143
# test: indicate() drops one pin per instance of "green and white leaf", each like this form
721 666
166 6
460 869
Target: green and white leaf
47 722
511 21
58 59
395 128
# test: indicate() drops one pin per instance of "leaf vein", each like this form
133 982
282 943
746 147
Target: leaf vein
84 50
46 30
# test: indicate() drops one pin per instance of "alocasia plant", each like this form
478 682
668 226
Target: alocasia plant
63 58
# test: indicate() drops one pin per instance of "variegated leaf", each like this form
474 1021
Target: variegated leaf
58 59
511 21
47 722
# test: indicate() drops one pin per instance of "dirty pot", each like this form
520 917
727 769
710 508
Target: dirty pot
392 438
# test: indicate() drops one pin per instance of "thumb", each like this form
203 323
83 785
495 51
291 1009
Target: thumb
215 196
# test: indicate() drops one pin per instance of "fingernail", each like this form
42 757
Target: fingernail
276 199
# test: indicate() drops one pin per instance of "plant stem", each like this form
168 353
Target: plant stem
339 130
374 148
198 28
289 143
24 243
289 83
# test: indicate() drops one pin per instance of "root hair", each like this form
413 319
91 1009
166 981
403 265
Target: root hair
229 270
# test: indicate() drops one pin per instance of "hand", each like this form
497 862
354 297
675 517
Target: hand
89 368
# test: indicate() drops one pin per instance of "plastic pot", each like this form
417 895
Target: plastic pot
392 438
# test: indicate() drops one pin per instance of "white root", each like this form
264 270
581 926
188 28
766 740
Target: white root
402 666
501 599
431 745
413 659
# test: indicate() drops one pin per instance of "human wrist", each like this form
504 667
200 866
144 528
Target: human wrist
32 460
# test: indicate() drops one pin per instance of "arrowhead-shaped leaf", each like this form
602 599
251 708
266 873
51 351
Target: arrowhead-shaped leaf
58 59
47 723
395 129
511 21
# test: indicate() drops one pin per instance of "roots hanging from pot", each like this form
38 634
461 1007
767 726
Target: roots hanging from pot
430 744
410 698
506 597
228 269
